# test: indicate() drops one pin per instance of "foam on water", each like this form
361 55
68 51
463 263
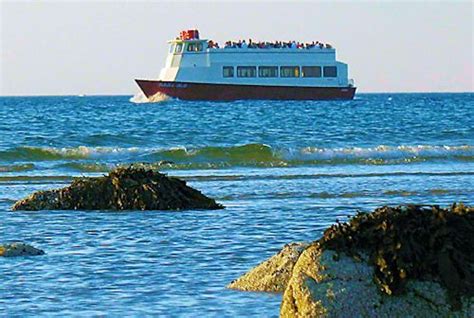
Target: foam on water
259 155
383 152
140 98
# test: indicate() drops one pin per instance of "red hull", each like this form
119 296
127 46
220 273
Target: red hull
196 91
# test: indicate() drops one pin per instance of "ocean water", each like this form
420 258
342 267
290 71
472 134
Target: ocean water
284 170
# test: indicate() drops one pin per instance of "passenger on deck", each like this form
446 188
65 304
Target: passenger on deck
252 45
271 45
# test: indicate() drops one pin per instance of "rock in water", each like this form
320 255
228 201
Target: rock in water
19 249
122 189
395 262
273 274
325 283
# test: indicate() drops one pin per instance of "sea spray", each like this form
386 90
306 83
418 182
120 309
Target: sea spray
140 98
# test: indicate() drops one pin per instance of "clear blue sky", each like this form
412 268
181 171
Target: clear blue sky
99 47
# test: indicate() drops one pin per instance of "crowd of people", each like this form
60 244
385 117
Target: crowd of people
242 44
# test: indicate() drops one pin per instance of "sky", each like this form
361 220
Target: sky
100 47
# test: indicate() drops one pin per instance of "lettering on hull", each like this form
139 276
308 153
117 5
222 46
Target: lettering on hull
177 85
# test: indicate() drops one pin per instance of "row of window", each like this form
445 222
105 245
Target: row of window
285 71
190 47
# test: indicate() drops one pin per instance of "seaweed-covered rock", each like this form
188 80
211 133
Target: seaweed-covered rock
273 274
19 249
403 261
412 242
326 283
128 188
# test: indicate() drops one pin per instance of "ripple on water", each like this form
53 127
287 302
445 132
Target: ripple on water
283 176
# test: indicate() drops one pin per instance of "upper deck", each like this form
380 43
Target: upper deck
205 46
259 63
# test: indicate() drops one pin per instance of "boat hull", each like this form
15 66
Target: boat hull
226 92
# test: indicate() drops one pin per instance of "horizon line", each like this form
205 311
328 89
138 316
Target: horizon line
131 95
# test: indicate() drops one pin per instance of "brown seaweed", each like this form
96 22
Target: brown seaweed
125 188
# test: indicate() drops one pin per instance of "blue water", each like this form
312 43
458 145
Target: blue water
284 171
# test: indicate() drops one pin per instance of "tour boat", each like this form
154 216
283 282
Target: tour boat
197 69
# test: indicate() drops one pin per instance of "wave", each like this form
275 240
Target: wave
386 154
213 157
15 168
265 155
26 153
251 153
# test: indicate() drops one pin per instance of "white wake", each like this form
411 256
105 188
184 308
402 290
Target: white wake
140 98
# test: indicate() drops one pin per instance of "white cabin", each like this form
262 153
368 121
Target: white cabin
192 61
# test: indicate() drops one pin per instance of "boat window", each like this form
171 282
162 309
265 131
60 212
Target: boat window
267 71
311 71
290 71
246 71
194 47
172 48
228 71
178 48
330 71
